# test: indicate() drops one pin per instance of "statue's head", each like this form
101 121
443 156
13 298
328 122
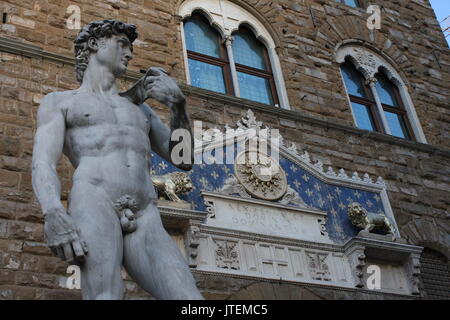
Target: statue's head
110 42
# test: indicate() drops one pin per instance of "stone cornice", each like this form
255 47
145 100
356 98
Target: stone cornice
32 51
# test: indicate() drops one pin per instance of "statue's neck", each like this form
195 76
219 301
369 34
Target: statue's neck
98 78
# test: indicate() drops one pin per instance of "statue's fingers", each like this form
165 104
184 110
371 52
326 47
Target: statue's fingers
78 250
150 79
68 252
149 86
155 71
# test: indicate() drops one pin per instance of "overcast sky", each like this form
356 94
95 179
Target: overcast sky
442 10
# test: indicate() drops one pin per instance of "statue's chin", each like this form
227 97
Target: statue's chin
120 71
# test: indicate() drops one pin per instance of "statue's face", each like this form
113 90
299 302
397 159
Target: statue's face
114 53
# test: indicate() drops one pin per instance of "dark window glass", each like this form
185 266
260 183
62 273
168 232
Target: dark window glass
255 76
255 88
385 91
207 76
248 51
207 58
362 102
201 38
353 81
364 119
394 110
351 3
397 125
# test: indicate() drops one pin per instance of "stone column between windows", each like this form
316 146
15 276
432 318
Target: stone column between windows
228 42
185 56
372 83
278 78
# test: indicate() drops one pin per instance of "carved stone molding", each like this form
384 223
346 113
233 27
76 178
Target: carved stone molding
227 254
193 243
357 260
413 271
210 209
318 266
232 186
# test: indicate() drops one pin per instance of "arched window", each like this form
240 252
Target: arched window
393 107
361 98
254 74
435 275
378 97
228 50
207 57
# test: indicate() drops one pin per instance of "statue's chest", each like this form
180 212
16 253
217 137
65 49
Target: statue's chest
114 112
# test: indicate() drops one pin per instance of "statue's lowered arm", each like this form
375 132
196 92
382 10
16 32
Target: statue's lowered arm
60 231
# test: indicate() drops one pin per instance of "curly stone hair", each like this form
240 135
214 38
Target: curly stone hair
98 29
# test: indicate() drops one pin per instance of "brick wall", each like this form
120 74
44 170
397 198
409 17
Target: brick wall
306 33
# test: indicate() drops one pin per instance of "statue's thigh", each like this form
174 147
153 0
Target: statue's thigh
155 262
99 227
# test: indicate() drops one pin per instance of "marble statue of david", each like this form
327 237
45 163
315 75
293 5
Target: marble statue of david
112 217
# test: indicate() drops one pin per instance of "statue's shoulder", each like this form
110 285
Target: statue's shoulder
58 100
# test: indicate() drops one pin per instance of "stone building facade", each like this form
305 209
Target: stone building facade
307 41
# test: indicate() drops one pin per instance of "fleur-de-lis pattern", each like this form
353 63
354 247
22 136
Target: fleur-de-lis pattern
330 198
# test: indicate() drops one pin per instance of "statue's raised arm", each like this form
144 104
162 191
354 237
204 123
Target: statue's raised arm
177 147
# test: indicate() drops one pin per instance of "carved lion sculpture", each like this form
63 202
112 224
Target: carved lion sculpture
171 184
368 221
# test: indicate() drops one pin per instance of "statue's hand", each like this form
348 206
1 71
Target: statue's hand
159 86
63 237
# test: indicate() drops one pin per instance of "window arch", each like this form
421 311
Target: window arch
378 97
247 59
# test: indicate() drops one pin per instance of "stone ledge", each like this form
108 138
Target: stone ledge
201 275
290 115
32 51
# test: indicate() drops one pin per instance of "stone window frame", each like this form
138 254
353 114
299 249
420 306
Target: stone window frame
226 17
369 63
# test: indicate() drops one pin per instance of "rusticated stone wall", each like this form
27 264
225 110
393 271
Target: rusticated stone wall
320 121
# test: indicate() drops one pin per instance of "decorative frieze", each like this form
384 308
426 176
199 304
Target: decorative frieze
227 254
318 266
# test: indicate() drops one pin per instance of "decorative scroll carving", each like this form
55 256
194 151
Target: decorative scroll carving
210 209
291 197
323 229
413 270
365 62
193 241
227 255
318 266
357 260
232 186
